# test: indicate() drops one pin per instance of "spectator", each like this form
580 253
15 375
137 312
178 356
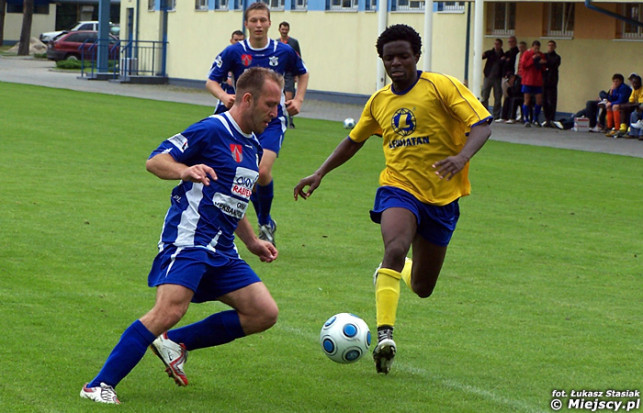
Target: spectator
289 89
228 84
522 48
599 110
636 124
617 95
550 84
509 58
628 110
532 63
493 78
513 98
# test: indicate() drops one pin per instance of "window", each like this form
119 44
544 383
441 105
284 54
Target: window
501 18
221 5
632 11
37 8
343 5
171 5
409 5
275 4
561 20
299 4
451 7
371 5
150 5
201 5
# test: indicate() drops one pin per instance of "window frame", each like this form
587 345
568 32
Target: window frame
637 33
508 19
567 17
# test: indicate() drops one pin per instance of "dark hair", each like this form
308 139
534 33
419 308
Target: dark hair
256 6
552 41
523 42
237 33
253 79
618 76
535 43
499 40
399 32
284 24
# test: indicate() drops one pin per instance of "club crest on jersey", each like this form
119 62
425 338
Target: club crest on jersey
403 122
246 59
237 152
273 61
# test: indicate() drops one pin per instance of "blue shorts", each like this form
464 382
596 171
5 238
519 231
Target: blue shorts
273 136
208 274
532 90
435 223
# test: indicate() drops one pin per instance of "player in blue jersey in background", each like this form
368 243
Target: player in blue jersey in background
228 84
259 50
217 162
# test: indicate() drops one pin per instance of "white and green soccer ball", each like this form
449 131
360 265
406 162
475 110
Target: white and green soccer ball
345 338
349 123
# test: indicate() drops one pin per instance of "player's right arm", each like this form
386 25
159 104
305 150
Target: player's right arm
217 91
165 166
342 153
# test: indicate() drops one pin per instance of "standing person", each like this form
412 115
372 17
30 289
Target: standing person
431 126
289 79
532 63
550 84
493 72
259 50
216 160
508 73
228 84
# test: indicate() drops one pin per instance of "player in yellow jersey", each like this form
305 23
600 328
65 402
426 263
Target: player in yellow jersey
431 125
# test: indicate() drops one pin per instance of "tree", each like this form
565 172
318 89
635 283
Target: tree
25 34
3 9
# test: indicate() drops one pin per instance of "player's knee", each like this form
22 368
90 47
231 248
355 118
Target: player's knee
265 317
423 291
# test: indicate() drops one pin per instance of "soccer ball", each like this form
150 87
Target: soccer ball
349 123
345 338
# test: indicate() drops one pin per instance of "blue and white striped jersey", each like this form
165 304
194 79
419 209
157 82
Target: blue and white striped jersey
239 57
207 216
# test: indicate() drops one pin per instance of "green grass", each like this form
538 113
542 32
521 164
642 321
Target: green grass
541 289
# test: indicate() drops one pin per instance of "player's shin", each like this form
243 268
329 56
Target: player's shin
387 295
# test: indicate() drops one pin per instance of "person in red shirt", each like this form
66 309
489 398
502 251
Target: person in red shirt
532 63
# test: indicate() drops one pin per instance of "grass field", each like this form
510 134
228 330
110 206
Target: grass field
541 289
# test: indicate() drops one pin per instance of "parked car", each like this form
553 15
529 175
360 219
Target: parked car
79 44
46 37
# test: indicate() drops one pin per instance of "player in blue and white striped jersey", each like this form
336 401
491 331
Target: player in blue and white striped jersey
217 163
259 50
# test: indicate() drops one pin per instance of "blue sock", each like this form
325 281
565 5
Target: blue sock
127 353
525 113
265 194
219 328
255 201
537 112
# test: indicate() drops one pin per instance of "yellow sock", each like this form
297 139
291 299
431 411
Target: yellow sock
387 295
406 272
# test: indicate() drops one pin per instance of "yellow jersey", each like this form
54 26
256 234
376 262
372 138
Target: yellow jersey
637 95
420 126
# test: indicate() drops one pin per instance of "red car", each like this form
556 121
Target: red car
79 44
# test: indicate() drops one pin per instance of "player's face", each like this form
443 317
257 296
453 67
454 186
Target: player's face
400 63
284 30
258 24
551 47
236 38
264 108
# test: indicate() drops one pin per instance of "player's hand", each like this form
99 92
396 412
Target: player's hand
293 106
312 182
199 173
264 250
228 100
449 167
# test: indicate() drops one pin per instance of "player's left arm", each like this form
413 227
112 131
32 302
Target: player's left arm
263 249
449 167
293 106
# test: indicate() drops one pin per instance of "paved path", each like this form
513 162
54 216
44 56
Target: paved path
41 72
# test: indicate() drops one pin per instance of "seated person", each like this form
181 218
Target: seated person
636 124
628 108
608 107
513 98
616 97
